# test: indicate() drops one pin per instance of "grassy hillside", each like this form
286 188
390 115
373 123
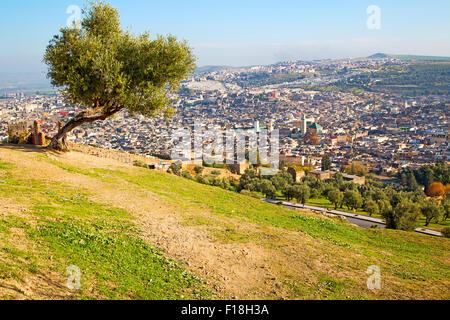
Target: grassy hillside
411 80
142 234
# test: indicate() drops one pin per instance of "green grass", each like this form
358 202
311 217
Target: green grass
187 194
118 262
105 244
325 203
102 241
220 202
108 175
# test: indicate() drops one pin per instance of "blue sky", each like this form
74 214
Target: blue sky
244 32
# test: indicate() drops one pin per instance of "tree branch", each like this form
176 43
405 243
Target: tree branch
87 116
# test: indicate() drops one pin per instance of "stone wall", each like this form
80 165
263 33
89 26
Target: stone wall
239 168
120 156
18 132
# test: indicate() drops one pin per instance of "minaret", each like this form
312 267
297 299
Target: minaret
271 125
304 124
257 130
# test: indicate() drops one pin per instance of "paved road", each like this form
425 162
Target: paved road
356 219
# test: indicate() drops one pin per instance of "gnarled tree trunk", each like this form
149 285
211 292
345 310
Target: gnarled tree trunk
59 141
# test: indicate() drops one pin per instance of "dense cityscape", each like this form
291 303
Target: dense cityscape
385 131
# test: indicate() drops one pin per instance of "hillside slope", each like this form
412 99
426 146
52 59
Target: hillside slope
141 234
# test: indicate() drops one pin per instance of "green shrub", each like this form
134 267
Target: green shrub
175 169
139 163
250 193
446 232
186 174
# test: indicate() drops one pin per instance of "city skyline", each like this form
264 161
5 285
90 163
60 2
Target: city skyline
293 30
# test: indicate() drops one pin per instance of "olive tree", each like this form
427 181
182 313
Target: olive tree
105 69
267 188
352 199
431 210
302 193
446 206
403 217
371 207
335 196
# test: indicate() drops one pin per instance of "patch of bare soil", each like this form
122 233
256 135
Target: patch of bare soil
48 286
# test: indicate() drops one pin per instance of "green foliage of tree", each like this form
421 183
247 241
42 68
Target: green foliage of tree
198 170
215 172
431 210
327 187
105 69
426 175
267 188
326 163
350 186
215 181
384 206
187 175
289 192
379 194
396 198
283 165
403 217
249 180
175 168
371 207
400 206
446 208
281 180
301 193
446 232
356 168
338 180
408 180
314 183
352 199
314 193
335 196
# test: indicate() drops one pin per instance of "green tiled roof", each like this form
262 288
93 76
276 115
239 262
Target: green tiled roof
315 126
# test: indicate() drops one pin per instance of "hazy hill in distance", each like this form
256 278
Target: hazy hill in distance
206 69
408 57
23 81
